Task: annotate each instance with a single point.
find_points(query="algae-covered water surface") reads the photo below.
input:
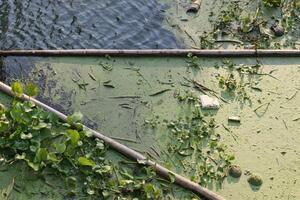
(152, 105)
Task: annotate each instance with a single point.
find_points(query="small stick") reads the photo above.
(190, 37)
(292, 96)
(285, 124)
(123, 139)
(159, 92)
(153, 149)
(92, 76)
(230, 132)
(137, 70)
(125, 97)
(262, 106)
(296, 119)
(230, 41)
(266, 74)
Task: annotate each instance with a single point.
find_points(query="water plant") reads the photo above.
(197, 146)
(193, 61)
(248, 24)
(255, 180)
(235, 171)
(272, 3)
(40, 140)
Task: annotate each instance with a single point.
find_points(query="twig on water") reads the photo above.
(125, 97)
(159, 92)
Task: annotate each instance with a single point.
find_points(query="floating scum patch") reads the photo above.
(154, 108)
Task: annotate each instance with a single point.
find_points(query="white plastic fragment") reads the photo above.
(234, 119)
(208, 102)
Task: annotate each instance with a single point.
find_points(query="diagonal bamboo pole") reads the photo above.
(156, 52)
(162, 171)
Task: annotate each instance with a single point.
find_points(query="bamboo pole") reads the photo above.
(156, 52)
(162, 171)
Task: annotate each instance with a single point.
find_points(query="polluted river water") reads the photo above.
(265, 141)
(136, 100)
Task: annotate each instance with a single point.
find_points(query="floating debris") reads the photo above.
(92, 76)
(255, 180)
(235, 171)
(125, 97)
(159, 92)
(236, 119)
(108, 85)
(194, 7)
(277, 30)
(208, 102)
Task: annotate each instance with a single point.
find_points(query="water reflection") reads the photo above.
(51, 24)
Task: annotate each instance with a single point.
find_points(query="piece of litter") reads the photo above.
(234, 119)
(208, 102)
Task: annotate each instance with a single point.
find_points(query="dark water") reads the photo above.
(52, 24)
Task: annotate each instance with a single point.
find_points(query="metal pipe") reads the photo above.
(156, 52)
(134, 155)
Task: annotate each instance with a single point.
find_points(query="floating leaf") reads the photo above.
(26, 136)
(41, 155)
(88, 133)
(34, 166)
(17, 89)
(76, 117)
(106, 194)
(40, 125)
(86, 162)
(142, 162)
(53, 157)
(100, 144)
(74, 136)
(172, 177)
(31, 89)
(20, 157)
(90, 191)
(60, 147)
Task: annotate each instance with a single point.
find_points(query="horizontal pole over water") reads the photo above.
(156, 52)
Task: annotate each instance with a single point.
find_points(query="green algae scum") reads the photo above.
(230, 125)
(153, 106)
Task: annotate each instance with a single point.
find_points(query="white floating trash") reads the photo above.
(208, 102)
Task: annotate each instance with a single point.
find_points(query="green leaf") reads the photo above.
(41, 155)
(106, 194)
(149, 188)
(26, 136)
(20, 157)
(4, 125)
(172, 177)
(76, 117)
(40, 125)
(86, 162)
(52, 157)
(74, 136)
(106, 169)
(31, 89)
(60, 148)
(88, 133)
(99, 144)
(17, 89)
(34, 166)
